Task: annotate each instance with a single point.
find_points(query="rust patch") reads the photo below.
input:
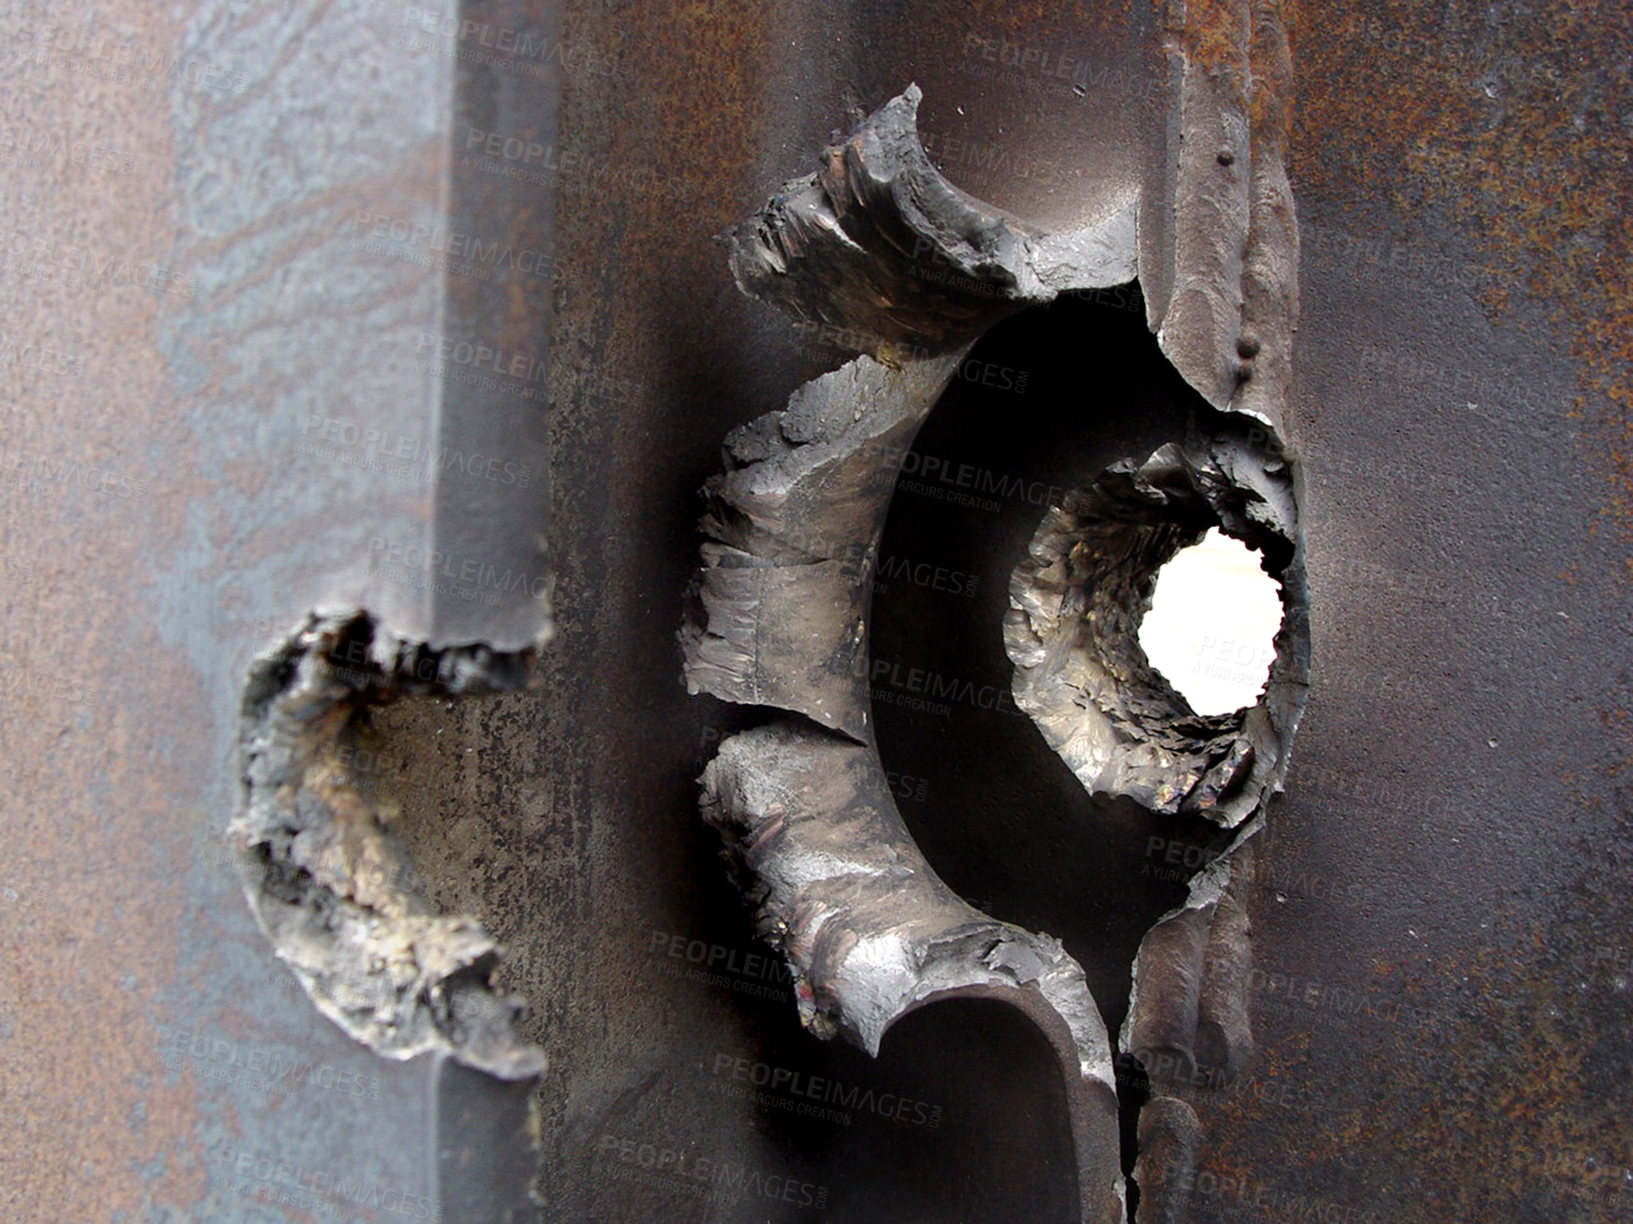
(1511, 126)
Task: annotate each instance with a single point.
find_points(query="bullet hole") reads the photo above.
(1078, 600)
(1212, 624)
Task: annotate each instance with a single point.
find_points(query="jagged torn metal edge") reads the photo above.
(1219, 266)
(880, 245)
(1187, 1022)
(880, 250)
(871, 933)
(328, 882)
(1072, 632)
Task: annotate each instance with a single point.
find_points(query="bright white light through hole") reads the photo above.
(1212, 625)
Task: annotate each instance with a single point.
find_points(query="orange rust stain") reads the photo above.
(1511, 127)
(1215, 35)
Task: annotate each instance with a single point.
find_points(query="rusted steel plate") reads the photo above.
(210, 308)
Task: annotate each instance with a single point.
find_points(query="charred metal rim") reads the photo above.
(1076, 603)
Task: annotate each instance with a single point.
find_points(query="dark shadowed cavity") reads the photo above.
(1045, 402)
(967, 1120)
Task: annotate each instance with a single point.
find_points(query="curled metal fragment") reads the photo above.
(871, 933)
(880, 246)
(779, 615)
(1224, 1029)
(328, 882)
(877, 240)
(1188, 1022)
(1161, 1029)
(1076, 602)
(909, 269)
(1169, 1135)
